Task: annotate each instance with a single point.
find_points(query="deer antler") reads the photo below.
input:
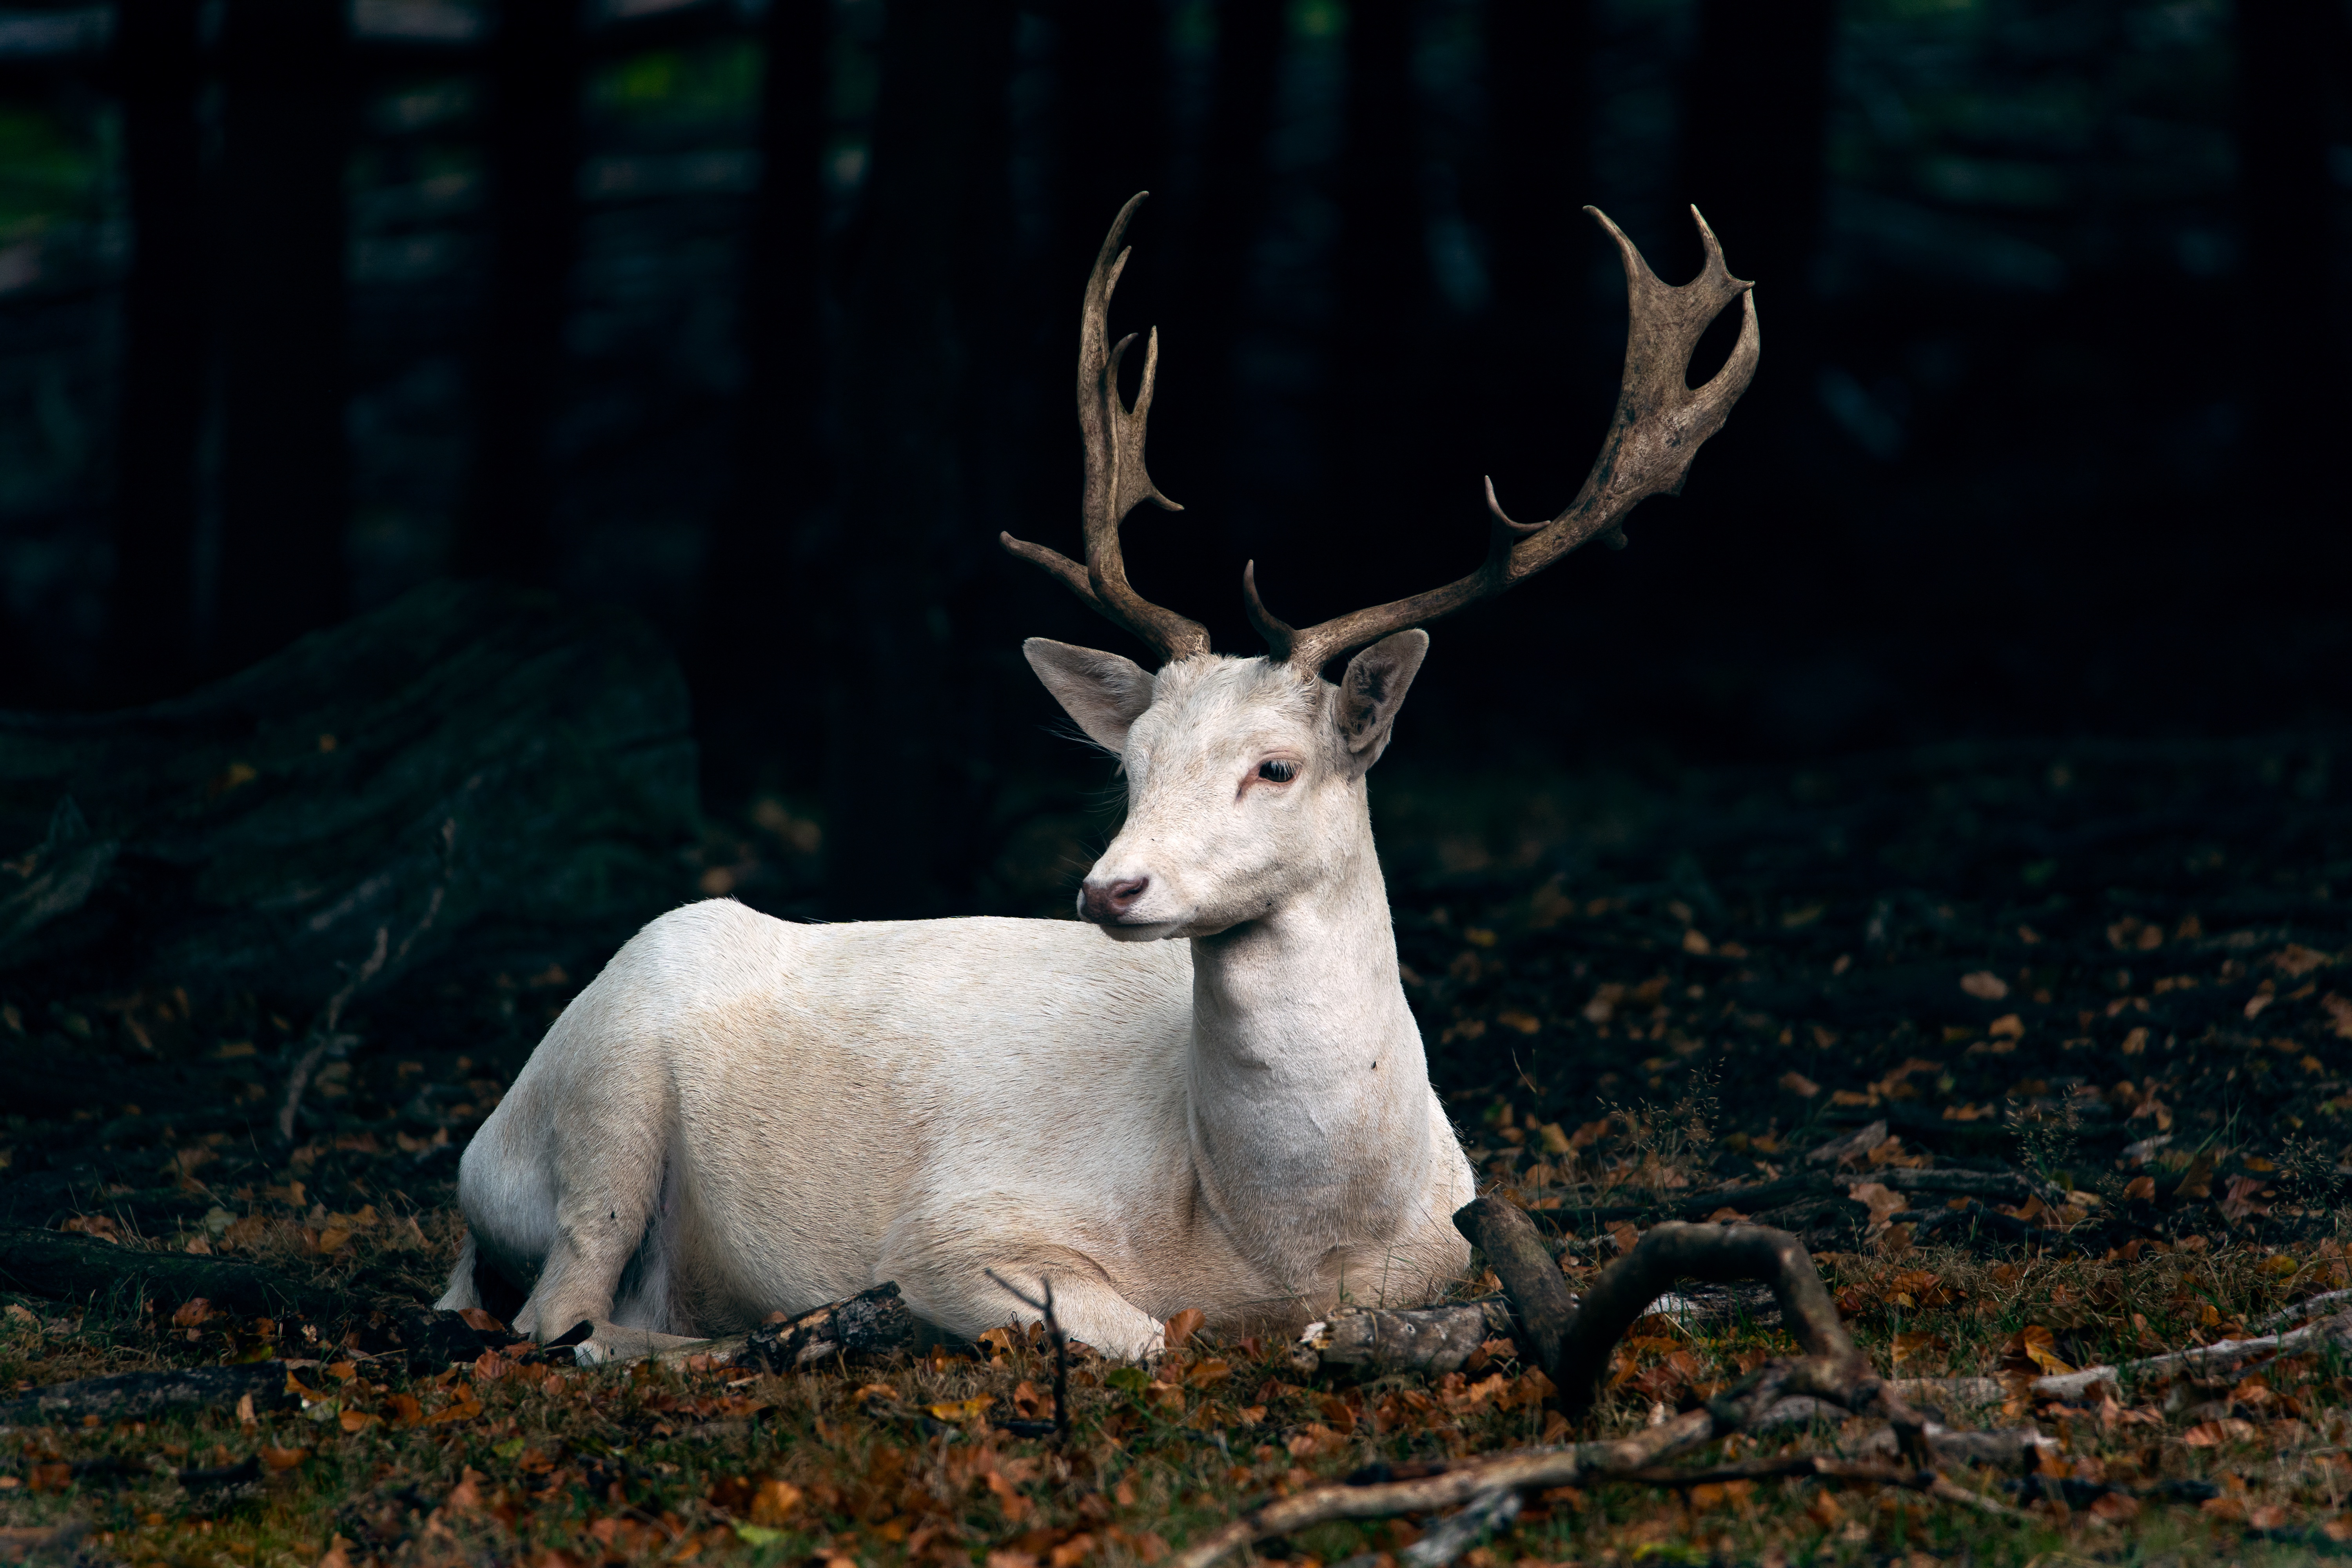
(1659, 424)
(1116, 479)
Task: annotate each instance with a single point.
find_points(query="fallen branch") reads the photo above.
(1452, 1536)
(871, 1323)
(2221, 1353)
(1571, 1341)
(1430, 1340)
(1534, 1469)
(1060, 1425)
(2305, 1308)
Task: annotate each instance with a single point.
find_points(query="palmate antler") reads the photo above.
(1660, 422)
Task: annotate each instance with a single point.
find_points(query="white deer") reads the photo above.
(740, 1115)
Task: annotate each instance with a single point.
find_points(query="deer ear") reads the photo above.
(1372, 690)
(1103, 692)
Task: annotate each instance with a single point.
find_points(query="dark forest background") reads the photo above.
(760, 320)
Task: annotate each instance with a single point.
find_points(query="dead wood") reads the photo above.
(1580, 1464)
(130, 1395)
(1059, 1427)
(2336, 1330)
(1581, 1336)
(1543, 1311)
(60, 1266)
(871, 1323)
(1429, 1340)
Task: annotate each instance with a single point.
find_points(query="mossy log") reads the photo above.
(475, 771)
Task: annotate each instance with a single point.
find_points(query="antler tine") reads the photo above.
(1117, 482)
(1660, 422)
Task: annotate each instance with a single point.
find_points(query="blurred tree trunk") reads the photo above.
(284, 490)
(902, 767)
(762, 580)
(1539, 68)
(505, 530)
(2293, 345)
(1385, 390)
(1113, 79)
(1203, 371)
(1755, 133)
(153, 642)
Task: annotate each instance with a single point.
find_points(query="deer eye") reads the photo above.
(1277, 771)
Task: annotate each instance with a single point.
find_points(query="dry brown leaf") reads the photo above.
(2240, 1201)
(970, 1409)
(1182, 1326)
(2214, 1434)
(775, 1503)
(1883, 1204)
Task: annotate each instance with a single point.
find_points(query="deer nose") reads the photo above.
(1101, 902)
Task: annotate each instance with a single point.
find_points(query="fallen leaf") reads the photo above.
(481, 1322)
(284, 1458)
(775, 1503)
(356, 1420)
(2296, 961)
(970, 1409)
(1797, 1084)
(2239, 1200)
(2339, 1013)
(2141, 1188)
(2041, 1355)
(1883, 1204)
(2116, 1507)
(2197, 1181)
(1182, 1326)
(1984, 986)
(193, 1310)
(2214, 1434)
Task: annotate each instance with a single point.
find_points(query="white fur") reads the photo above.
(741, 1115)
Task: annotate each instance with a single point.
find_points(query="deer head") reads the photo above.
(1245, 776)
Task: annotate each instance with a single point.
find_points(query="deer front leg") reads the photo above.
(943, 1272)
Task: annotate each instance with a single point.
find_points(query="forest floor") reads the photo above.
(2117, 972)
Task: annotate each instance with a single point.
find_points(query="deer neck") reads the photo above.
(1309, 1094)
